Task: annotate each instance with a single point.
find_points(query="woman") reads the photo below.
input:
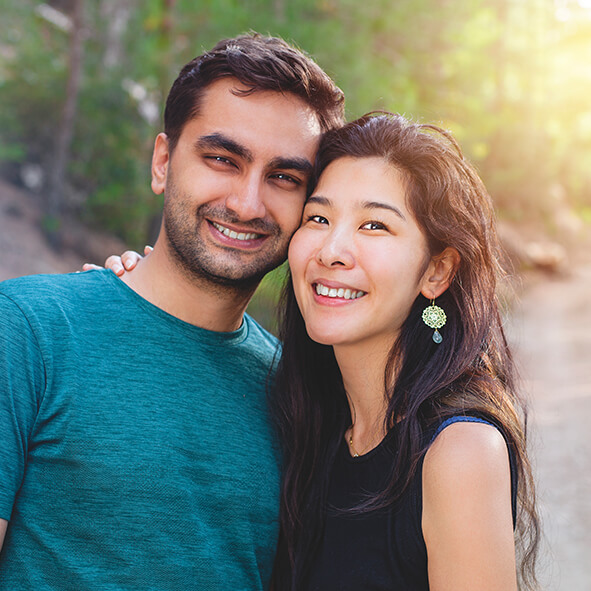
(405, 452)
(403, 433)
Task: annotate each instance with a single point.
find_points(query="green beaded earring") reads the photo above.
(434, 317)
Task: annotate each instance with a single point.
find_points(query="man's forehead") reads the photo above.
(275, 124)
(231, 94)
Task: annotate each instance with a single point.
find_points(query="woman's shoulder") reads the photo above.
(467, 504)
(466, 471)
(464, 445)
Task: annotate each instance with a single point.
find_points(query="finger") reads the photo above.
(148, 249)
(114, 263)
(129, 259)
(91, 267)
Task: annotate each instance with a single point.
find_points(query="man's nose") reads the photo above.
(246, 198)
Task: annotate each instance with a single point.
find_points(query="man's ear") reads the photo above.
(440, 272)
(160, 160)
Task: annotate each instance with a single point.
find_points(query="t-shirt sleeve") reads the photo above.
(22, 379)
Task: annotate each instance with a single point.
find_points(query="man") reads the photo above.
(135, 446)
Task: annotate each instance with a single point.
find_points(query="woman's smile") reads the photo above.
(332, 291)
(359, 257)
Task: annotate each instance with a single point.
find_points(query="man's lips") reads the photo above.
(228, 232)
(236, 237)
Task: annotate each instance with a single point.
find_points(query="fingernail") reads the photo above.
(118, 270)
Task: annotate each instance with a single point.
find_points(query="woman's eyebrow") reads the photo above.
(318, 199)
(382, 205)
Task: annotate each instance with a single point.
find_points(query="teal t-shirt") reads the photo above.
(136, 451)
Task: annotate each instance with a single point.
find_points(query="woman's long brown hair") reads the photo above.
(471, 372)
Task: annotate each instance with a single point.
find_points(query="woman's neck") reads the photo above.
(363, 371)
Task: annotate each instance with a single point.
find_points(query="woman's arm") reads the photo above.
(467, 517)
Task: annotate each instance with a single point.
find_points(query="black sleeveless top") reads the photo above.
(380, 550)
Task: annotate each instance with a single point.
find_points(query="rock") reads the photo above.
(546, 256)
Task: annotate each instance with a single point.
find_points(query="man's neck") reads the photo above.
(158, 279)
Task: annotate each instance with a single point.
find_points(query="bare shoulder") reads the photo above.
(467, 519)
(467, 448)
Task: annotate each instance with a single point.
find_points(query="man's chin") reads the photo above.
(224, 267)
(235, 277)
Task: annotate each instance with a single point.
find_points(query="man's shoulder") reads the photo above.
(261, 335)
(51, 282)
(37, 291)
(263, 347)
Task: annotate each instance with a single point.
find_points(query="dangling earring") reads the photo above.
(434, 317)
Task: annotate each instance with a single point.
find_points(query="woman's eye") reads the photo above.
(373, 226)
(318, 219)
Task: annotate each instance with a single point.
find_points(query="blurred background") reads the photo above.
(82, 85)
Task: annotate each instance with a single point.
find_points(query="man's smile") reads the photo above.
(236, 235)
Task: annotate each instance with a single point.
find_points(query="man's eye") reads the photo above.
(220, 160)
(281, 176)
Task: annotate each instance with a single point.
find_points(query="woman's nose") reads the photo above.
(336, 250)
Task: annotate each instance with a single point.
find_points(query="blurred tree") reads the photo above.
(115, 16)
(65, 128)
(509, 77)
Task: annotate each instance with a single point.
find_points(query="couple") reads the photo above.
(138, 449)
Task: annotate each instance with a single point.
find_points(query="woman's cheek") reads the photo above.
(296, 251)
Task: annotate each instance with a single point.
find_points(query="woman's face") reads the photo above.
(359, 259)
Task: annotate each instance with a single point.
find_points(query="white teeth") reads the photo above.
(235, 235)
(332, 292)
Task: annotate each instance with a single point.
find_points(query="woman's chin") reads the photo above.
(325, 337)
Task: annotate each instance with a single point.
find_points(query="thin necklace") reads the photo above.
(355, 453)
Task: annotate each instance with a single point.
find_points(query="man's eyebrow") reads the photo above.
(301, 164)
(382, 205)
(218, 141)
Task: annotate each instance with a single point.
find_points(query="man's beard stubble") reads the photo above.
(227, 270)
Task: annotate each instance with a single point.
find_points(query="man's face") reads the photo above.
(235, 183)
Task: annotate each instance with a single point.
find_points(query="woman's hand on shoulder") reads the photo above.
(120, 264)
(467, 515)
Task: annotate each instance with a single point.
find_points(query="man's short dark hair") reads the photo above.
(259, 63)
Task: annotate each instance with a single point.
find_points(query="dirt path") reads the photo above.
(24, 250)
(552, 332)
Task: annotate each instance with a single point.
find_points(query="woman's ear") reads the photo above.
(160, 160)
(440, 272)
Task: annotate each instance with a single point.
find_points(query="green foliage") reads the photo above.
(263, 305)
(110, 162)
(31, 90)
(510, 78)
